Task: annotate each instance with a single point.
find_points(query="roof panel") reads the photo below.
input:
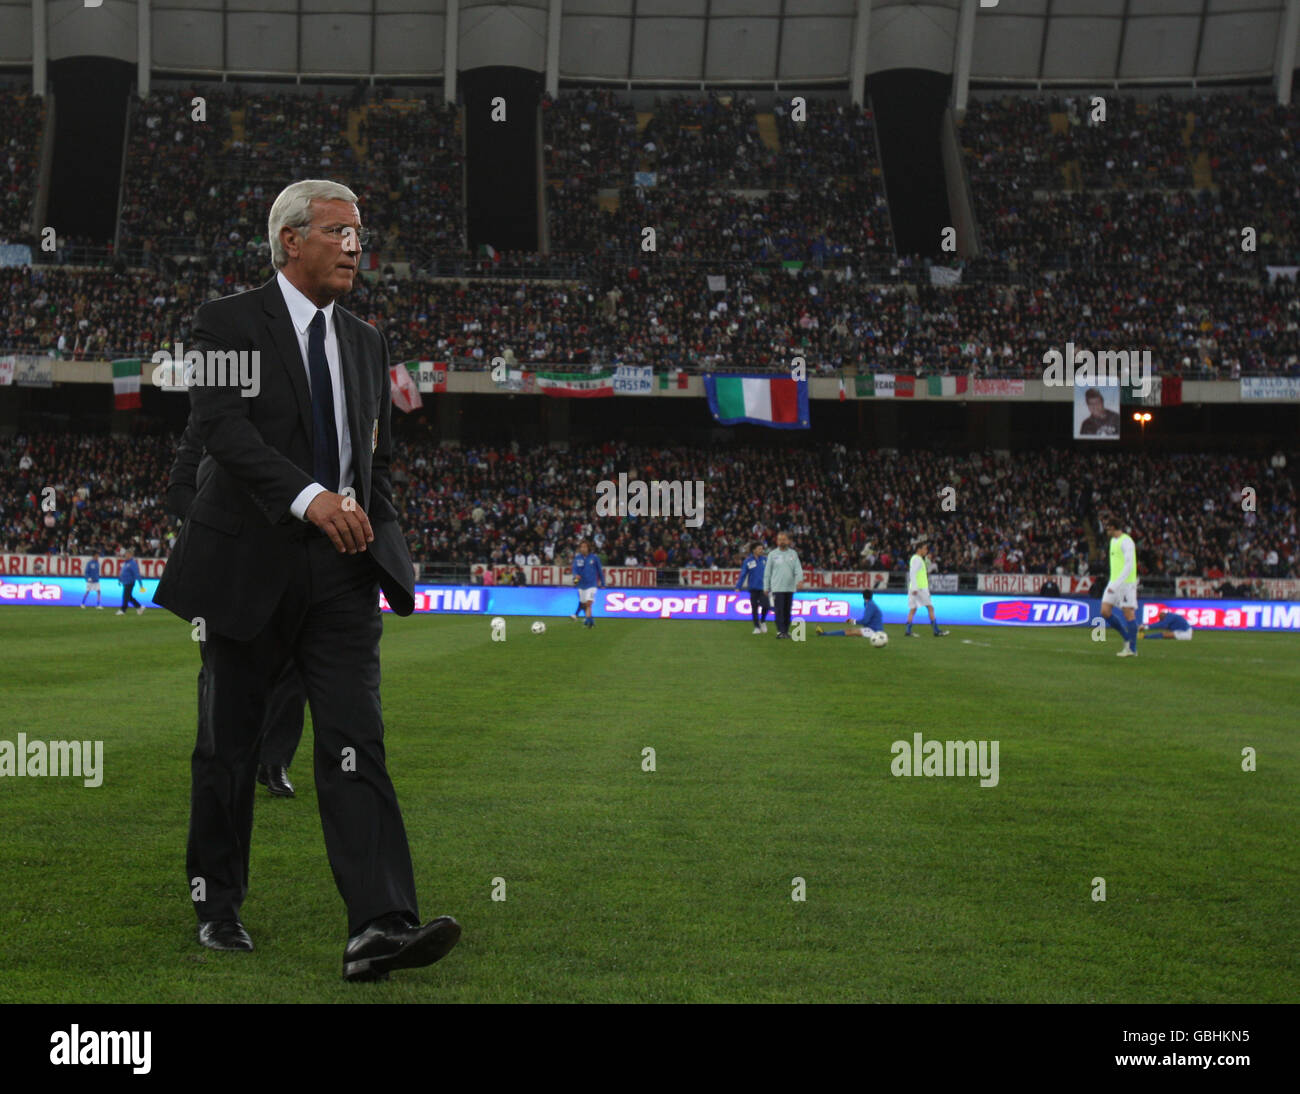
(1238, 42)
(1081, 48)
(592, 46)
(668, 49)
(738, 47)
(1087, 7)
(1007, 48)
(816, 48)
(1239, 37)
(1163, 47)
(407, 42)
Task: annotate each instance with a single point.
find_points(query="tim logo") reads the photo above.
(1035, 613)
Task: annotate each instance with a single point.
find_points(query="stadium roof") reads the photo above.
(689, 41)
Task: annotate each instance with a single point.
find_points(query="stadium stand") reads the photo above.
(22, 120)
(849, 510)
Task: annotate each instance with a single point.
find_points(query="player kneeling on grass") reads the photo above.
(1122, 589)
(1176, 625)
(872, 621)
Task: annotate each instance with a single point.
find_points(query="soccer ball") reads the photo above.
(880, 638)
(539, 627)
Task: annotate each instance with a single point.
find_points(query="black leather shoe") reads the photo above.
(261, 774)
(277, 782)
(224, 934)
(388, 944)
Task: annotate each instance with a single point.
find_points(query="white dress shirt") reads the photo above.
(301, 312)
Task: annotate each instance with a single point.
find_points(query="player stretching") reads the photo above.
(1176, 625)
(872, 620)
(587, 574)
(1122, 589)
(918, 590)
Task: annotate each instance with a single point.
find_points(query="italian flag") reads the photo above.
(430, 376)
(576, 385)
(126, 384)
(762, 400)
(941, 386)
(885, 385)
(403, 389)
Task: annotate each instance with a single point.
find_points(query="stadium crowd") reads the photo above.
(205, 187)
(846, 509)
(704, 179)
(1146, 253)
(753, 319)
(22, 121)
(1168, 183)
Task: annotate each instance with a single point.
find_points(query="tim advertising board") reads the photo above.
(1035, 612)
(686, 604)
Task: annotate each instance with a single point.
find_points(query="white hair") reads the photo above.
(292, 209)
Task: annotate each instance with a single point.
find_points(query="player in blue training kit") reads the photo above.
(751, 578)
(1176, 625)
(127, 576)
(587, 575)
(873, 620)
(92, 583)
(577, 612)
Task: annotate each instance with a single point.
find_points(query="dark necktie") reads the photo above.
(325, 439)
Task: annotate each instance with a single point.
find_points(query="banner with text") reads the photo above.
(74, 566)
(1270, 387)
(1032, 583)
(1277, 588)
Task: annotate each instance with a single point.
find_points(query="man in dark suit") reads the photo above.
(282, 730)
(284, 550)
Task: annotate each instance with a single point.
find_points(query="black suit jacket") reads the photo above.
(188, 468)
(232, 559)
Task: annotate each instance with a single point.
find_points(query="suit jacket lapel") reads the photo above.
(286, 341)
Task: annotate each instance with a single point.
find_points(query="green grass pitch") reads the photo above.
(522, 760)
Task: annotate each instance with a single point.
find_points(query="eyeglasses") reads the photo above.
(339, 233)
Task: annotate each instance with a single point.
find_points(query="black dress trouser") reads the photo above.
(328, 621)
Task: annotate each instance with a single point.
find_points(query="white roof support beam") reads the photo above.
(963, 47)
(144, 45)
(554, 14)
(1284, 65)
(451, 39)
(40, 47)
(858, 59)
